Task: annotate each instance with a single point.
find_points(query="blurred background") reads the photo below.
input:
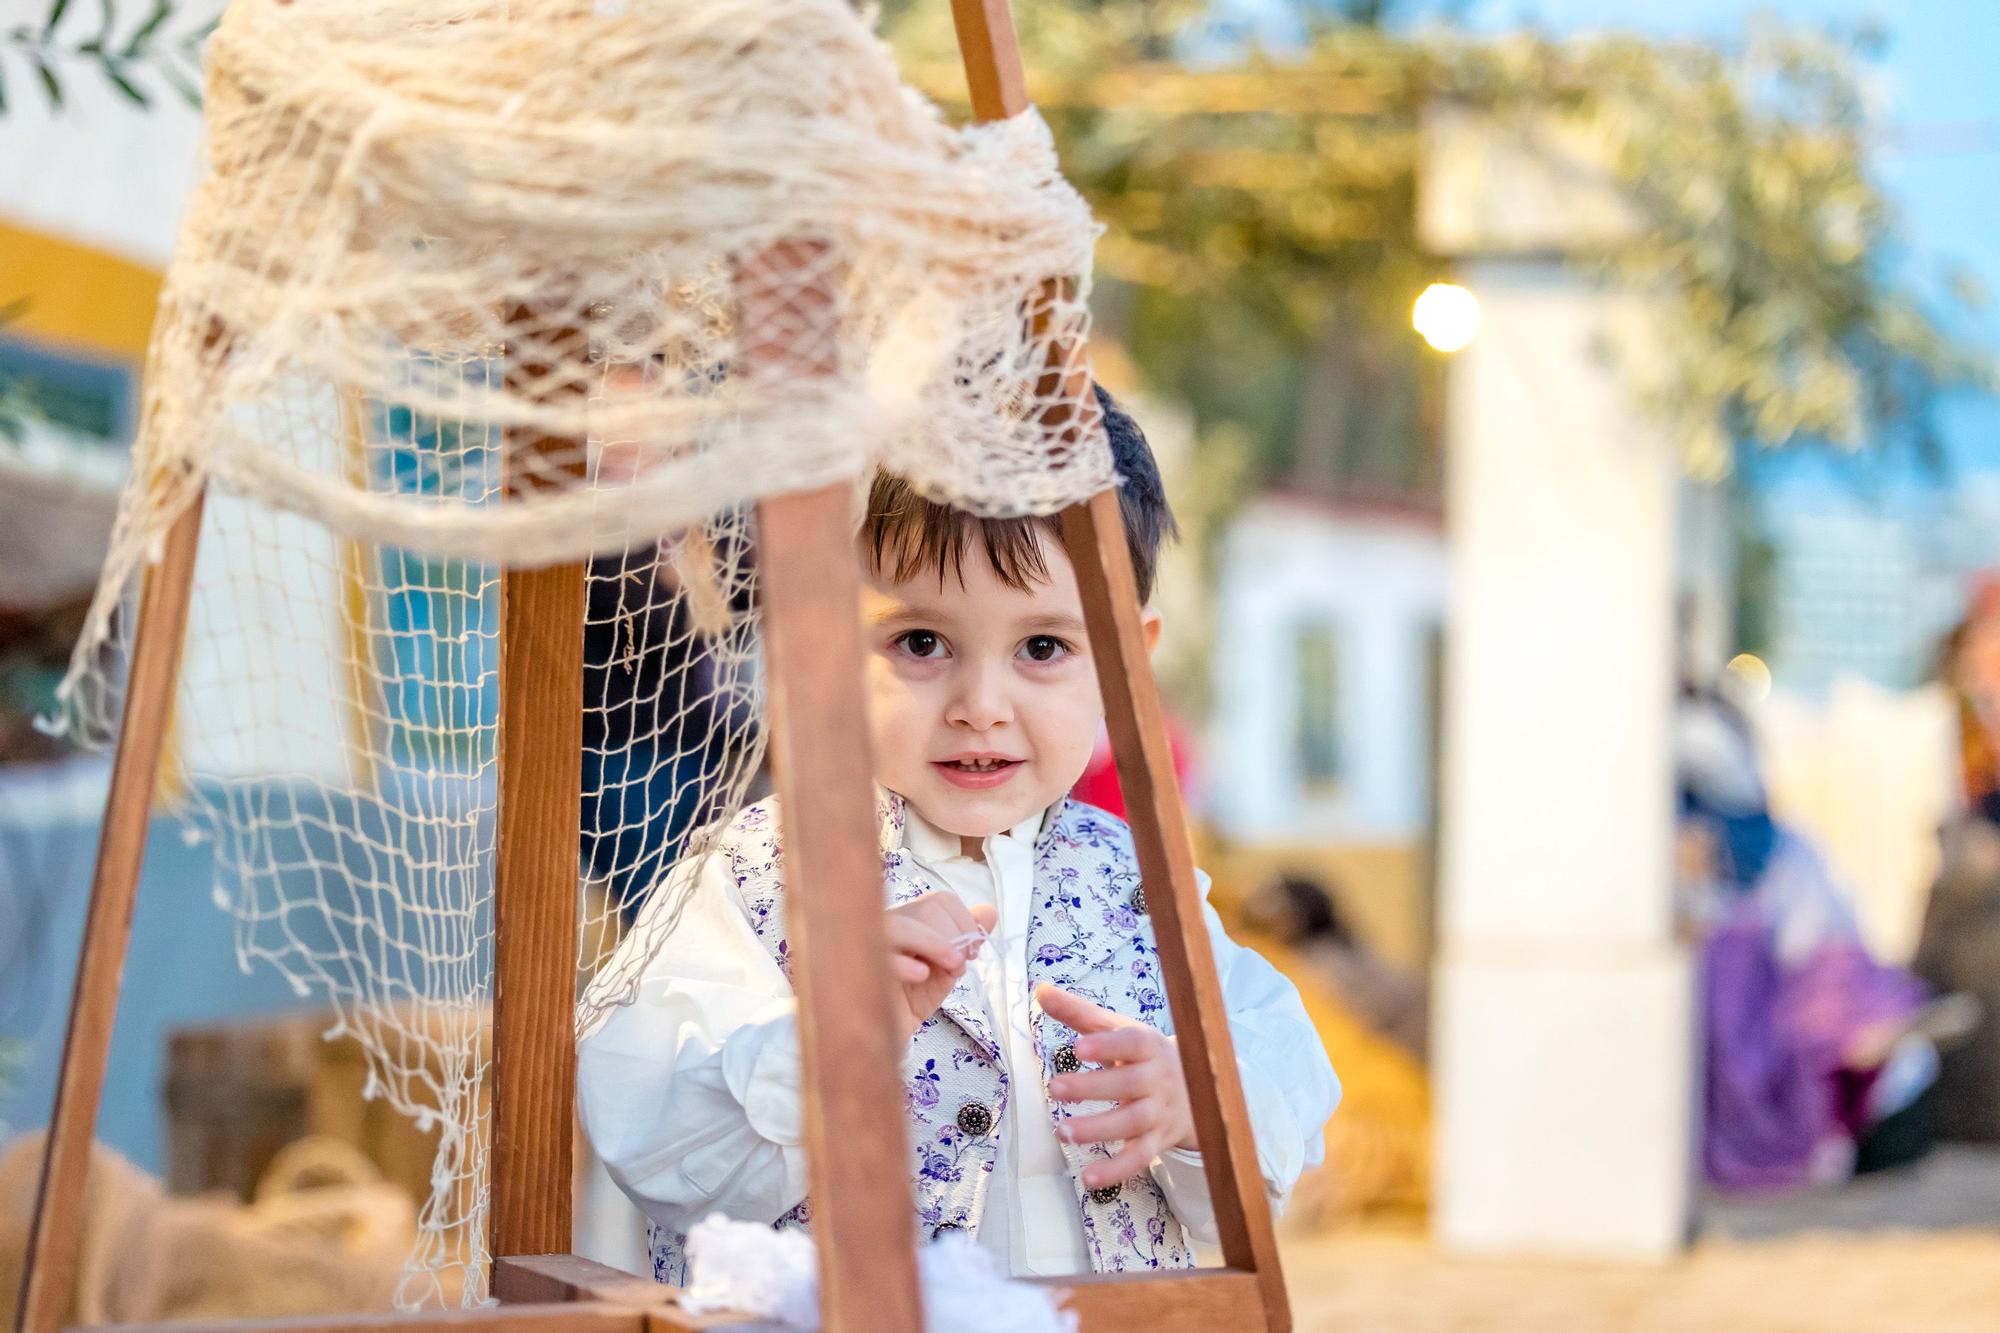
(1584, 652)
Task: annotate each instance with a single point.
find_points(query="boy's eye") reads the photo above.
(1044, 648)
(920, 643)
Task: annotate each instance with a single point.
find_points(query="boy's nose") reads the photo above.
(980, 702)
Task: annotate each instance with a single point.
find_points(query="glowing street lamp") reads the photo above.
(1447, 315)
(1752, 676)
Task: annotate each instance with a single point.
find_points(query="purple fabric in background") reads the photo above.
(1775, 1040)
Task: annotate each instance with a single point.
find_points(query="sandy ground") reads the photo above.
(1919, 1250)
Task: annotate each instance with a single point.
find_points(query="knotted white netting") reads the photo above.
(472, 286)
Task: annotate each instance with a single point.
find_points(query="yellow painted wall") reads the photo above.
(77, 297)
(83, 301)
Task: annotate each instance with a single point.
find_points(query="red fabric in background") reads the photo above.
(1099, 784)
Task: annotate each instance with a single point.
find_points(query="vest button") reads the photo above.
(975, 1120)
(1065, 1060)
(1105, 1193)
(1139, 900)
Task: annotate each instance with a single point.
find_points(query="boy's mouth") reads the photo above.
(976, 774)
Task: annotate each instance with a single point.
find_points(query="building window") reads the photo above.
(1322, 749)
(87, 399)
(437, 639)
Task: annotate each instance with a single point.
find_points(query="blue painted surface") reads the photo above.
(183, 969)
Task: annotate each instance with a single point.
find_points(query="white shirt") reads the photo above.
(691, 1094)
(1031, 1224)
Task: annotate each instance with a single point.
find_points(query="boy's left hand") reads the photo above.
(1141, 1072)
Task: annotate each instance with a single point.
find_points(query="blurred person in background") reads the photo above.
(1969, 663)
(1960, 945)
(668, 715)
(1305, 917)
(1819, 1057)
(664, 724)
(1373, 1018)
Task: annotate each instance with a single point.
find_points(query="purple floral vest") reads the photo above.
(1087, 933)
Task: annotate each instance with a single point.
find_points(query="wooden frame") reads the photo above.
(864, 1225)
(55, 1237)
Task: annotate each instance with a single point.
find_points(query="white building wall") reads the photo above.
(264, 636)
(1565, 1023)
(1378, 582)
(98, 171)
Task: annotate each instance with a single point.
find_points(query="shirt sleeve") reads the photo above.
(691, 1093)
(1288, 1082)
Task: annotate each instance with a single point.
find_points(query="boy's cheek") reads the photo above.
(899, 728)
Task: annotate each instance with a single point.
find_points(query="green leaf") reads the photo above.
(191, 43)
(49, 84)
(181, 83)
(55, 16)
(123, 84)
(162, 11)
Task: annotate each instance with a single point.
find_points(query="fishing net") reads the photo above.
(470, 287)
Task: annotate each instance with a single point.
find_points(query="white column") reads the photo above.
(1564, 1044)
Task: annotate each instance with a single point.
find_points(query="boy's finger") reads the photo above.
(919, 941)
(910, 971)
(1122, 1083)
(1124, 1046)
(1075, 1012)
(1125, 1122)
(945, 911)
(1130, 1160)
(986, 916)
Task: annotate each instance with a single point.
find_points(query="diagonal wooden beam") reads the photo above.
(55, 1237)
(1094, 536)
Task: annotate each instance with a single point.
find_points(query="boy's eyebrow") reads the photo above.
(1054, 622)
(888, 615)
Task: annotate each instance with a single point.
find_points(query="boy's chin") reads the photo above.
(967, 815)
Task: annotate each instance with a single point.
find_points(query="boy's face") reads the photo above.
(983, 702)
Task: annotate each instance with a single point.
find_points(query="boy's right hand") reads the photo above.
(924, 952)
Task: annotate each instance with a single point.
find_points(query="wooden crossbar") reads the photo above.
(549, 1318)
(537, 1279)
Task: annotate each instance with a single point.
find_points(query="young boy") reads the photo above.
(1047, 1110)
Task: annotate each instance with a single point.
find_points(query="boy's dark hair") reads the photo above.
(906, 535)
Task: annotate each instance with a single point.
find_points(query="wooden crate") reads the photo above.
(238, 1092)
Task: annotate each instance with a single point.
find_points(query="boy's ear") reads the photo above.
(1149, 620)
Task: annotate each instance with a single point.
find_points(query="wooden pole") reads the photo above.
(809, 579)
(857, 1147)
(1094, 535)
(55, 1237)
(536, 873)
